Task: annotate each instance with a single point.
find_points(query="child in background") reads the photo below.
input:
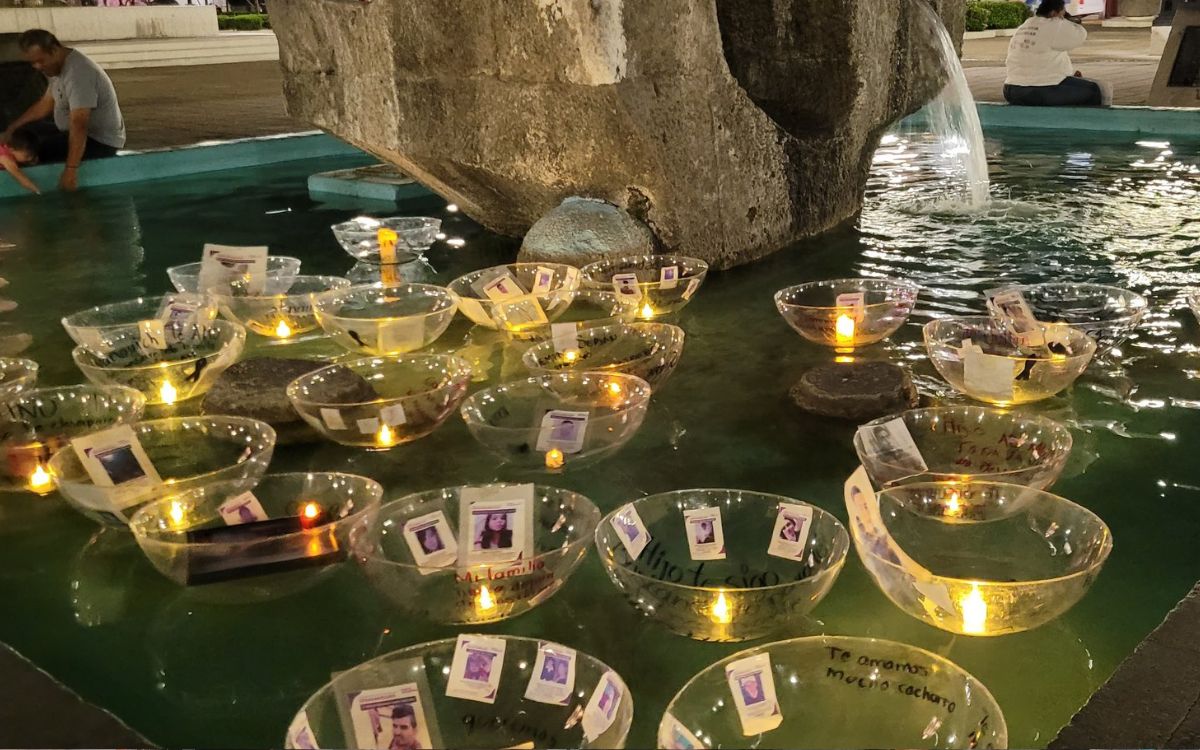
(21, 149)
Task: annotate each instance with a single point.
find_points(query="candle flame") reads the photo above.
(176, 514)
(974, 611)
(721, 614)
(554, 459)
(953, 508)
(614, 388)
(283, 330)
(167, 393)
(485, 602)
(39, 480)
(310, 510)
(385, 436)
(647, 311)
(844, 330)
(571, 356)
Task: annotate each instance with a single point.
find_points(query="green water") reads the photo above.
(86, 607)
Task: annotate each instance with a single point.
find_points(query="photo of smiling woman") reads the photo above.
(495, 533)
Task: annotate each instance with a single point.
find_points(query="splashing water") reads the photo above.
(953, 121)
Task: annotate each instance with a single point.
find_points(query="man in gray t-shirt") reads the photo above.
(81, 97)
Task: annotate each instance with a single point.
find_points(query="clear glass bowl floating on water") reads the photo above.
(972, 443)
(589, 308)
(281, 272)
(750, 593)
(510, 721)
(187, 453)
(459, 591)
(1108, 314)
(529, 308)
(556, 421)
(983, 558)
(319, 516)
(194, 357)
(89, 328)
(812, 310)
(277, 316)
(664, 284)
(649, 350)
(414, 234)
(842, 692)
(378, 319)
(35, 424)
(994, 370)
(381, 402)
(16, 375)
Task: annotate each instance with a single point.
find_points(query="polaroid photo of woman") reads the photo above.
(476, 668)
(753, 689)
(790, 535)
(553, 676)
(431, 541)
(705, 537)
(495, 523)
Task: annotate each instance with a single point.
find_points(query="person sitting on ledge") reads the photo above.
(1040, 73)
(87, 120)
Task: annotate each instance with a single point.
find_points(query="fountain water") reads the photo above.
(952, 120)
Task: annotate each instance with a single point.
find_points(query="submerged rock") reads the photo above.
(257, 388)
(857, 391)
(581, 230)
(731, 128)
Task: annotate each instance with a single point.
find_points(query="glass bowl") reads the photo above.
(380, 319)
(418, 271)
(982, 558)
(312, 521)
(589, 308)
(837, 691)
(35, 424)
(812, 310)
(194, 357)
(1108, 314)
(419, 676)
(648, 350)
(525, 309)
(560, 420)
(994, 370)
(90, 327)
(16, 375)
(458, 591)
(277, 316)
(972, 442)
(414, 234)
(415, 395)
(748, 594)
(187, 452)
(281, 272)
(658, 291)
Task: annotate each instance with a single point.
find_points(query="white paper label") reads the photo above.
(114, 458)
(893, 449)
(988, 375)
(380, 713)
(752, 687)
(565, 337)
(691, 288)
(668, 277)
(543, 280)
(601, 709)
(673, 735)
(564, 430)
(790, 535)
(503, 287)
(630, 530)
(1010, 310)
(368, 426)
(705, 537)
(855, 302)
(300, 734)
(393, 415)
(552, 679)
(243, 508)
(626, 286)
(496, 523)
(431, 541)
(222, 264)
(399, 336)
(333, 419)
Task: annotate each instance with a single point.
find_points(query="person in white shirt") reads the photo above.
(1039, 69)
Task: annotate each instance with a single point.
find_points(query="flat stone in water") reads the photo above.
(257, 388)
(856, 390)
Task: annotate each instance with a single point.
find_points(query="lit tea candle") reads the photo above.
(310, 514)
(385, 437)
(721, 613)
(176, 514)
(953, 508)
(283, 330)
(974, 611)
(570, 356)
(40, 480)
(843, 330)
(554, 459)
(484, 603)
(167, 393)
(647, 312)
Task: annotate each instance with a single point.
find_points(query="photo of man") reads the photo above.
(399, 732)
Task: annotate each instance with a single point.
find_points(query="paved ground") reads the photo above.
(1119, 56)
(178, 106)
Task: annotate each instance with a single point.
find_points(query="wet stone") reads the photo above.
(257, 388)
(855, 391)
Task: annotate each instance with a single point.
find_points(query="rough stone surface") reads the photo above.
(580, 230)
(256, 388)
(730, 127)
(857, 390)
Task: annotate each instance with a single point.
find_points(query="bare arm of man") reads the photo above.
(39, 110)
(76, 143)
